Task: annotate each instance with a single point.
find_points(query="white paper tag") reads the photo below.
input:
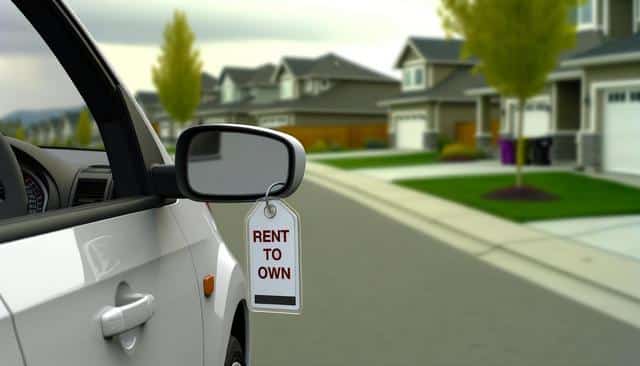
(273, 239)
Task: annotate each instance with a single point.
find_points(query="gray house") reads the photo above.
(241, 90)
(327, 98)
(432, 102)
(609, 129)
(327, 90)
(574, 110)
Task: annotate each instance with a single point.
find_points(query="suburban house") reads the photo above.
(327, 99)
(432, 104)
(591, 98)
(241, 90)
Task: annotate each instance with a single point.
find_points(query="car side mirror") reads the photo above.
(237, 163)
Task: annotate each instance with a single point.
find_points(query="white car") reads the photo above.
(106, 258)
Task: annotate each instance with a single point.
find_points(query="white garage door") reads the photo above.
(621, 141)
(409, 132)
(537, 118)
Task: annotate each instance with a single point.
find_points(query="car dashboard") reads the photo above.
(59, 178)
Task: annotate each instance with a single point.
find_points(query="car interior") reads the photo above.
(56, 178)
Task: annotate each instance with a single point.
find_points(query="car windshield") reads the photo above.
(472, 191)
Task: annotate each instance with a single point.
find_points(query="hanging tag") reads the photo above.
(273, 236)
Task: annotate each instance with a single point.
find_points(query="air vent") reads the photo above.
(89, 190)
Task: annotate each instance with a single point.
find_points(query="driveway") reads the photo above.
(452, 169)
(377, 292)
(618, 234)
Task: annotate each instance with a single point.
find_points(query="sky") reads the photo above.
(231, 32)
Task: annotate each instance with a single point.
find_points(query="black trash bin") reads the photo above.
(541, 151)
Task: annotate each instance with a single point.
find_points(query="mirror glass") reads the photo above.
(234, 163)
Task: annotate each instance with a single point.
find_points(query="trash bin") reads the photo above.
(507, 151)
(541, 151)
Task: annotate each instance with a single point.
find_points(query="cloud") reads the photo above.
(140, 22)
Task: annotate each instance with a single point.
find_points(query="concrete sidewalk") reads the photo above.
(600, 279)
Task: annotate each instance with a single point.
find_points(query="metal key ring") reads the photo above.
(269, 209)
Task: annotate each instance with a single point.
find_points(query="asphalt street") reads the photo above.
(378, 293)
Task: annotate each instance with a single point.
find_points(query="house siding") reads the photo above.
(451, 113)
(620, 18)
(441, 117)
(310, 119)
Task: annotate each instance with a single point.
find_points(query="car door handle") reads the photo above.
(119, 319)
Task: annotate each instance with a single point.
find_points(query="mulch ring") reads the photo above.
(524, 193)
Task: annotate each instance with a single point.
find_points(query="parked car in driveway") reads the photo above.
(106, 258)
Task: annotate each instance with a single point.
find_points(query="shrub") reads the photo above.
(443, 140)
(375, 144)
(460, 152)
(323, 145)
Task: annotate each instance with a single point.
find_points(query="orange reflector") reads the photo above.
(208, 284)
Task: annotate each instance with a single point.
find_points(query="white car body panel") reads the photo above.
(57, 284)
(9, 349)
(211, 256)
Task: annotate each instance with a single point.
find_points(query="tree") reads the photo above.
(178, 72)
(517, 44)
(82, 135)
(20, 133)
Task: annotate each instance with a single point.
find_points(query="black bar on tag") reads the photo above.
(275, 300)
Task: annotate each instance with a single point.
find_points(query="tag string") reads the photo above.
(269, 209)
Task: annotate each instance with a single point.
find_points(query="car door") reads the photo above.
(109, 283)
(60, 285)
(9, 351)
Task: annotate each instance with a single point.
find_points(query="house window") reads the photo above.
(617, 97)
(286, 88)
(634, 96)
(407, 77)
(308, 86)
(584, 14)
(418, 76)
(413, 78)
(227, 91)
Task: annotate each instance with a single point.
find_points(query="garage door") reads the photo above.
(409, 133)
(537, 118)
(621, 127)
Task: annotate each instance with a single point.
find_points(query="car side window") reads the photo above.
(38, 102)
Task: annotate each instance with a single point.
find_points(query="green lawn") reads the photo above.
(579, 195)
(382, 160)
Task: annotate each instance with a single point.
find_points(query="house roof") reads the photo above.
(435, 50)
(611, 51)
(245, 76)
(262, 75)
(350, 98)
(450, 89)
(330, 66)
(146, 97)
(208, 81)
(585, 42)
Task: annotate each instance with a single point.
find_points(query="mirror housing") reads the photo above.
(234, 163)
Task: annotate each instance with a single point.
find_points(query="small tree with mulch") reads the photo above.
(517, 44)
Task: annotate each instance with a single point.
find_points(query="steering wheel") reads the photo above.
(14, 202)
